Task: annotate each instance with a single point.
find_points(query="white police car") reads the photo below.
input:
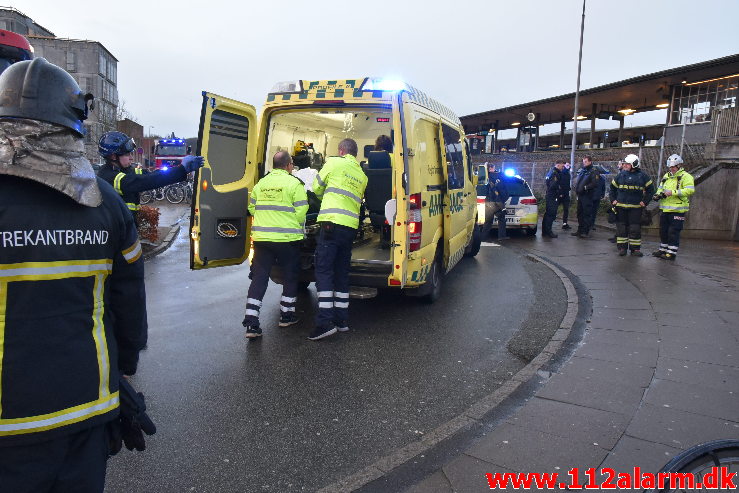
(522, 211)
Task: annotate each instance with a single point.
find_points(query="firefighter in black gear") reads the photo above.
(116, 148)
(72, 299)
(631, 191)
(558, 186)
(586, 184)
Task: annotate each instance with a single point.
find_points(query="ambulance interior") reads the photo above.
(313, 136)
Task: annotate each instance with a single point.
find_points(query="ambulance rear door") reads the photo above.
(227, 138)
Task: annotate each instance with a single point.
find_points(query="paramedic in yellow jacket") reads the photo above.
(673, 194)
(278, 205)
(340, 184)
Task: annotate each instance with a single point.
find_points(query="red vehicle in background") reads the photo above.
(169, 152)
(13, 48)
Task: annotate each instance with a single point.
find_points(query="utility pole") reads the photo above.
(577, 96)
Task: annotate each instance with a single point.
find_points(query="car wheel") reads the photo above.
(432, 287)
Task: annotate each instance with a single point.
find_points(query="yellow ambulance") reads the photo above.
(419, 208)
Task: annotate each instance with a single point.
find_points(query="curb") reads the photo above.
(475, 412)
(168, 240)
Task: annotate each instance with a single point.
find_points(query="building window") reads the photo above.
(693, 103)
(71, 61)
(102, 67)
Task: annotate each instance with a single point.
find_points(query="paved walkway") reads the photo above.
(656, 372)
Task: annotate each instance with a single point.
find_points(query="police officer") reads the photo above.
(673, 194)
(497, 195)
(116, 148)
(599, 194)
(72, 297)
(340, 184)
(565, 200)
(631, 191)
(586, 184)
(557, 187)
(278, 205)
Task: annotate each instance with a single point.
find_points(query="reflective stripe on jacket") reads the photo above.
(340, 184)
(629, 188)
(682, 186)
(72, 310)
(278, 204)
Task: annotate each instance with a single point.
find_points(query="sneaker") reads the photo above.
(288, 320)
(637, 253)
(566, 226)
(253, 331)
(657, 253)
(320, 333)
(621, 252)
(343, 328)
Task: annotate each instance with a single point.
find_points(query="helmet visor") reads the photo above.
(127, 147)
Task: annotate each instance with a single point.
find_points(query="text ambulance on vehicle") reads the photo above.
(420, 201)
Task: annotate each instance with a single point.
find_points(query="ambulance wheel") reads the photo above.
(432, 287)
(473, 248)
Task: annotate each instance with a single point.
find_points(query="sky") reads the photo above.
(471, 56)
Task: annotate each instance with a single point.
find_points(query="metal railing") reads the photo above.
(724, 123)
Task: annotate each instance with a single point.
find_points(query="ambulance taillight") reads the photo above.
(415, 223)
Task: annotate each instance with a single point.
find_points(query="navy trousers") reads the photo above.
(628, 227)
(584, 213)
(565, 201)
(73, 462)
(333, 260)
(670, 226)
(550, 213)
(266, 254)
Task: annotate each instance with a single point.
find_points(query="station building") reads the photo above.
(701, 123)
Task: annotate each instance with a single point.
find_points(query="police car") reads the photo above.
(521, 207)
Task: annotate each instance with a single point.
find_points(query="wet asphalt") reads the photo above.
(286, 414)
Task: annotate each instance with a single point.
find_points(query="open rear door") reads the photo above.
(219, 230)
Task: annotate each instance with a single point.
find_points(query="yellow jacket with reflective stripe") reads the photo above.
(340, 184)
(278, 204)
(72, 310)
(682, 186)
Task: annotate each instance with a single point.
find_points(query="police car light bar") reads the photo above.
(510, 172)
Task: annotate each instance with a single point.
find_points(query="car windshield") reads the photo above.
(517, 188)
(170, 150)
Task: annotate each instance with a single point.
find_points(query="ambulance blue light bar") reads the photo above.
(380, 84)
(510, 172)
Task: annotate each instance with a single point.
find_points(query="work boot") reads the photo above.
(584, 235)
(669, 256)
(621, 252)
(637, 253)
(575, 233)
(657, 253)
(566, 226)
(551, 234)
(288, 319)
(253, 331)
(320, 333)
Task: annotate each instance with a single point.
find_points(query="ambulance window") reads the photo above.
(227, 146)
(454, 157)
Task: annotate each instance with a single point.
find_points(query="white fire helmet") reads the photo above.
(632, 159)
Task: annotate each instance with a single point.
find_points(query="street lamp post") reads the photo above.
(577, 95)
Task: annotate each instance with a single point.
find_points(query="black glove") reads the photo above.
(133, 422)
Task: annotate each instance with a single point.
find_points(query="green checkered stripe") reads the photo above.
(319, 89)
(421, 98)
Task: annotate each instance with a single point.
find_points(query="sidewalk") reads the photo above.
(172, 217)
(656, 372)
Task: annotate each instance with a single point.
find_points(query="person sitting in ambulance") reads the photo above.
(380, 157)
